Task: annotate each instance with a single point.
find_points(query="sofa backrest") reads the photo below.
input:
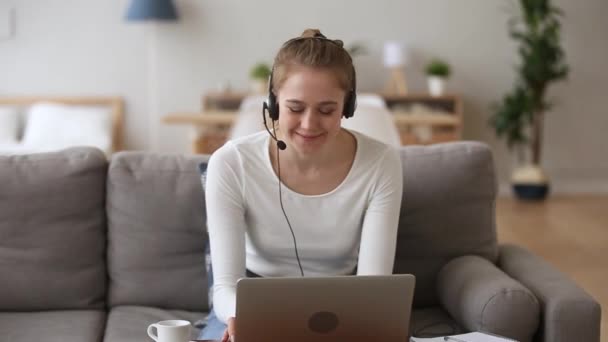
(52, 231)
(53, 225)
(156, 231)
(447, 210)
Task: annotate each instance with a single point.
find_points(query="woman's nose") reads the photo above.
(309, 120)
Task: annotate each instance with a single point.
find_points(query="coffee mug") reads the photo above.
(170, 331)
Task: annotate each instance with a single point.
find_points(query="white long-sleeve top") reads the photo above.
(354, 225)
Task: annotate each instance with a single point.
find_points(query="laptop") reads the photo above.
(336, 309)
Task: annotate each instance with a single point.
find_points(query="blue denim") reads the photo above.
(214, 328)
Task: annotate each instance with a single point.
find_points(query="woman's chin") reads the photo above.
(309, 144)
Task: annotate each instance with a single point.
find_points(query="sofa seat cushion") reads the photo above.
(130, 323)
(52, 326)
(433, 322)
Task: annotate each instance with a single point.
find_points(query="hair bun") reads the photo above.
(311, 33)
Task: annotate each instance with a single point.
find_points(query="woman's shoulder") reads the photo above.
(373, 149)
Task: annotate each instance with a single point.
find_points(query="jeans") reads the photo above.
(214, 328)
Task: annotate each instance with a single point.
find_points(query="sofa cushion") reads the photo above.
(484, 298)
(52, 230)
(52, 326)
(52, 126)
(130, 323)
(447, 211)
(156, 231)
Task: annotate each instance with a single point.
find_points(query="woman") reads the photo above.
(321, 201)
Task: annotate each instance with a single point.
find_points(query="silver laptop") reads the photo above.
(336, 309)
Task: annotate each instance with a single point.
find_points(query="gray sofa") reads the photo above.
(92, 250)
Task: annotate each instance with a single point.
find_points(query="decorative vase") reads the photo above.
(530, 183)
(436, 85)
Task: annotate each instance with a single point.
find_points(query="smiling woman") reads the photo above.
(311, 102)
(339, 191)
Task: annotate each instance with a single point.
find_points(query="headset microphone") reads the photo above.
(280, 143)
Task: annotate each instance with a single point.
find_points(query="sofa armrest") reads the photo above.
(481, 297)
(569, 313)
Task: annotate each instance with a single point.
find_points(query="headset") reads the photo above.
(272, 106)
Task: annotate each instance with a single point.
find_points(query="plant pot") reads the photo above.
(258, 86)
(436, 85)
(530, 183)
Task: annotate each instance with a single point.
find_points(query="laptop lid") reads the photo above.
(340, 308)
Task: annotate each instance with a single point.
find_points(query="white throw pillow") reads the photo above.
(55, 126)
(9, 125)
(370, 100)
(376, 122)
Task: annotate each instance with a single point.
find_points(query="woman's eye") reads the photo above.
(295, 110)
(327, 111)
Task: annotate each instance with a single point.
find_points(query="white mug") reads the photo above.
(170, 331)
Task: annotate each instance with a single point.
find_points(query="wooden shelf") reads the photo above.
(204, 118)
(420, 118)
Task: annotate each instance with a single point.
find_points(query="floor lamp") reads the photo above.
(395, 60)
(152, 12)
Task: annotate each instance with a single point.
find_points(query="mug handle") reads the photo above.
(150, 329)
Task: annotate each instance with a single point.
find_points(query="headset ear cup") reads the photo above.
(350, 105)
(273, 106)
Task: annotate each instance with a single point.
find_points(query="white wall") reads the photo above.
(84, 47)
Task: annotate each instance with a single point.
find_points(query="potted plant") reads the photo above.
(259, 75)
(437, 72)
(519, 117)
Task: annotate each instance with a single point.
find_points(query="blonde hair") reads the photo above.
(312, 49)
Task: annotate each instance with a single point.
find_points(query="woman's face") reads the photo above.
(311, 102)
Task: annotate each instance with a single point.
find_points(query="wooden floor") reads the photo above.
(571, 232)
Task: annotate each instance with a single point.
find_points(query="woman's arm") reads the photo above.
(226, 226)
(380, 224)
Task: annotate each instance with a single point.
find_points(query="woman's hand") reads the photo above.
(229, 332)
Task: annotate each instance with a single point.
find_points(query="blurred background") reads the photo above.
(76, 48)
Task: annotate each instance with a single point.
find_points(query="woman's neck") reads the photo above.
(330, 154)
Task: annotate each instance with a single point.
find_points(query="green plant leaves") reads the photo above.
(438, 67)
(542, 61)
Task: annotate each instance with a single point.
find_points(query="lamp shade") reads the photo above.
(394, 55)
(151, 10)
